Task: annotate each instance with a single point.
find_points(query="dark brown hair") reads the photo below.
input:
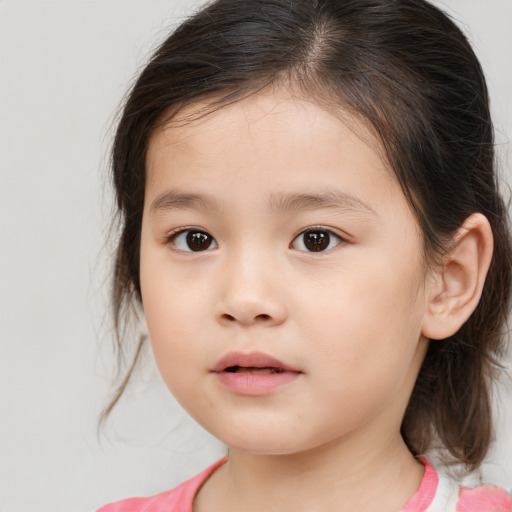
(406, 70)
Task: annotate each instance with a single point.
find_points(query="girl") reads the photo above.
(312, 227)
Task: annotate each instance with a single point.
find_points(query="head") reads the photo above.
(364, 61)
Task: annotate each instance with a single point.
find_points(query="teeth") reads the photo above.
(250, 369)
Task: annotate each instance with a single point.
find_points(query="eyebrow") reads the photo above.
(331, 199)
(173, 200)
(278, 203)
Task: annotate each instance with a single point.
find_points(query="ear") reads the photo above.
(456, 286)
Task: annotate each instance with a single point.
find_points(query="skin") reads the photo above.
(350, 318)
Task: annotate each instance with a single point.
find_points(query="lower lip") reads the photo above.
(255, 384)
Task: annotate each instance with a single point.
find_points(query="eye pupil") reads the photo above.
(198, 241)
(316, 241)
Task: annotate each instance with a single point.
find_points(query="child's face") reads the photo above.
(270, 228)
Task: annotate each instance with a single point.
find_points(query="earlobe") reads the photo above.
(457, 285)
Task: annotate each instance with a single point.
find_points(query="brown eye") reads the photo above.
(316, 240)
(194, 241)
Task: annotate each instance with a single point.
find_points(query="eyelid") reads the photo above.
(170, 238)
(332, 232)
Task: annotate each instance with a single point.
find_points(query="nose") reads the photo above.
(250, 294)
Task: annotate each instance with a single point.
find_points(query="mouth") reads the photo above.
(252, 369)
(253, 374)
(253, 362)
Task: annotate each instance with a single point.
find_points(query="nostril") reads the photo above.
(258, 318)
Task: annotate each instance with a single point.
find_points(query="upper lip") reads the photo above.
(250, 360)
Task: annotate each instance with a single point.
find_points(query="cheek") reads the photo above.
(368, 320)
(171, 322)
(170, 296)
(169, 313)
(171, 310)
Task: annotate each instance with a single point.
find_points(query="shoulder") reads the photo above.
(179, 499)
(454, 496)
(485, 498)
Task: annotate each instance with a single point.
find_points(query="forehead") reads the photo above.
(273, 114)
(266, 146)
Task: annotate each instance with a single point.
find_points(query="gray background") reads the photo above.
(64, 66)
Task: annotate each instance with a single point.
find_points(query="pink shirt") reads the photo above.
(436, 493)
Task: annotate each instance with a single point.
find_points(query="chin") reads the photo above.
(259, 448)
(263, 442)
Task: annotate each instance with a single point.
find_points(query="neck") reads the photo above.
(327, 478)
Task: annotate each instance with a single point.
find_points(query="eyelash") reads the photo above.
(320, 229)
(172, 237)
(322, 241)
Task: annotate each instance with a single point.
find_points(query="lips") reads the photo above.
(235, 362)
(253, 374)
